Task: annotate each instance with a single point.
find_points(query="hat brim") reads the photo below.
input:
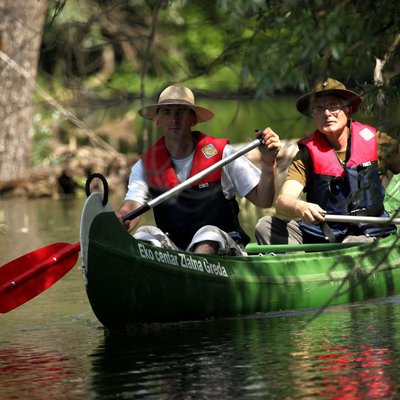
(202, 114)
(303, 103)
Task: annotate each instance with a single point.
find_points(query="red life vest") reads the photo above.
(161, 173)
(201, 204)
(364, 150)
(354, 188)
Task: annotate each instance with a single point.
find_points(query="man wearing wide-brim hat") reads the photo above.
(204, 217)
(337, 168)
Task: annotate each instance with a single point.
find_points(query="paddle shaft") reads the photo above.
(182, 186)
(350, 219)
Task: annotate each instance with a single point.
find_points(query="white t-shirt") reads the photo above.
(238, 177)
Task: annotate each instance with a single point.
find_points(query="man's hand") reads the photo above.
(126, 207)
(126, 224)
(270, 147)
(289, 204)
(310, 213)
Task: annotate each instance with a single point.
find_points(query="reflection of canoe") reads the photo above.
(129, 282)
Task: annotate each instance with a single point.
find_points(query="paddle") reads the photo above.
(170, 193)
(29, 275)
(350, 219)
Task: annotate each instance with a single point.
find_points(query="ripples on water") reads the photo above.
(345, 353)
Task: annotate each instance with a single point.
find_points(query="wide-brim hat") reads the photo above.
(328, 87)
(176, 95)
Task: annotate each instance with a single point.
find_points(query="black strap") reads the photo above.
(348, 149)
(326, 229)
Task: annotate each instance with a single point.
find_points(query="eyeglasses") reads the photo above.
(334, 109)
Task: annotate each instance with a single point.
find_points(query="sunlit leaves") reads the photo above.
(295, 42)
(267, 45)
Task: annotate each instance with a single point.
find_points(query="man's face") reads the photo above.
(175, 119)
(330, 114)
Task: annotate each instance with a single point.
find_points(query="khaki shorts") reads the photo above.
(226, 245)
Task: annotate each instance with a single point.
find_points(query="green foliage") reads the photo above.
(295, 42)
(261, 46)
(125, 79)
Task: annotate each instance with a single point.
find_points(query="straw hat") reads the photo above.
(328, 87)
(176, 95)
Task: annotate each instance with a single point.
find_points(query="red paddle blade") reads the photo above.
(29, 275)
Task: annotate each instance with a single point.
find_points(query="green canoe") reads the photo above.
(129, 282)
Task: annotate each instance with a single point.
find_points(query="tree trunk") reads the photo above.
(21, 25)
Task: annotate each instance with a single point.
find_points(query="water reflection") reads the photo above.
(206, 360)
(28, 368)
(353, 354)
(345, 353)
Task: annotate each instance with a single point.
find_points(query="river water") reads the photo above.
(53, 347)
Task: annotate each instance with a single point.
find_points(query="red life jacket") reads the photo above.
(201, 204)
(161, 173)
(364, 150)
(354, 188)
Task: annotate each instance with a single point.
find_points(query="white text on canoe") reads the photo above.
(182, 260)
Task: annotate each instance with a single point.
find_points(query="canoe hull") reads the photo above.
(129, 282)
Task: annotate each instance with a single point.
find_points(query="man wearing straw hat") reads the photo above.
(204, 217)
(337, 167)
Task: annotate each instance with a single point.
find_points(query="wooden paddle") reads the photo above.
(29, 275)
